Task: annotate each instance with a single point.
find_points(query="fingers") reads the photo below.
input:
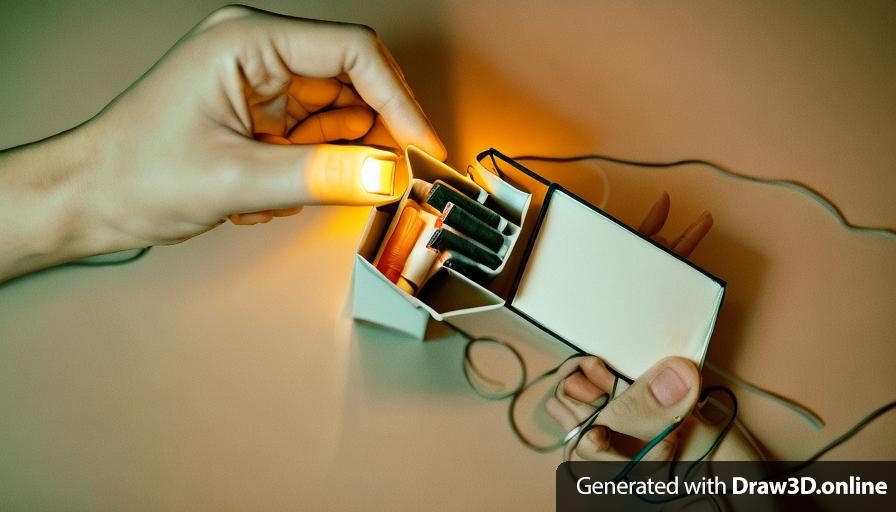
(312, 94)
(580, 388)
(378, 83)
(689, 239)
(665, 392)
(341, 124)
(379, 135)
(312, 48)
(273, 177)
(685, 244)
(662, 396)
(272, 139)
(569, 413)
(250, 219)
(267, 116)
(587, 380)
(581, 410)
(350, 117)
(573, 402)
(332, 175)
(561, 413)
(594, 444)
(275, 180)
(656, 217)
(322, 49)
(591, 382)
(287, 212)
(348, 97)
(263, 217)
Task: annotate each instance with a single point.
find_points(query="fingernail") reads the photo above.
(378, 176)
(668, 387)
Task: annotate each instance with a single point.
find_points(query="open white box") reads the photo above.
(573, 273)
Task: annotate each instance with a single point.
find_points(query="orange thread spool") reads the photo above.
(399, 246)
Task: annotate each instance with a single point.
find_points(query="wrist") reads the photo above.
(49, 187)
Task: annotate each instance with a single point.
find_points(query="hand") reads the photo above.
(668, 390)
(201, 137)
(180, 141)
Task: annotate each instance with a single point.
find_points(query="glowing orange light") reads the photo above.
(352, 175)
(378, 176)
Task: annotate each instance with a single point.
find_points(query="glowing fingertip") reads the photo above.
(378, 176)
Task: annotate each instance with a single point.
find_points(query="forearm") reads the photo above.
(47, 190)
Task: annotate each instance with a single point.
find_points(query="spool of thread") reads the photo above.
(439, 194)
(445, 240)
(399, 245)
(421, 259)
(461, 220)
(461, 264)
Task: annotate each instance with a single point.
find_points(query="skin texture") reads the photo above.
(234, 123)
(203, 135)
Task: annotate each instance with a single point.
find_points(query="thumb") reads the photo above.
(666, 391)
(283, 176)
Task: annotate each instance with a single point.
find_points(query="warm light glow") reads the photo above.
(352, 175)
(378, 176)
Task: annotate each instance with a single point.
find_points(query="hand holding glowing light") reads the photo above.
(233, 122)
(303, 84)
(320, 110)
(378, 176)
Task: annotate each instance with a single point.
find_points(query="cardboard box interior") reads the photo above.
(569, 269)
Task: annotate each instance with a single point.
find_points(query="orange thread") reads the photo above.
(399, 246)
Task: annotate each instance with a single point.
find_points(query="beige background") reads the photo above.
(224, 374)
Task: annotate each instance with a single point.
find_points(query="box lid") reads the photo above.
(603, 288)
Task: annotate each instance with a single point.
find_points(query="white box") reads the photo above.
(573, 274)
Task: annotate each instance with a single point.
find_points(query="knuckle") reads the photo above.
(366, 30)
(231, 11)
(227, 177)
(365, 35)
(626, 406)
(226, 13)
(593, 364)
(568, 387)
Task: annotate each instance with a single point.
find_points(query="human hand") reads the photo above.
(199, 138)
(667, 391)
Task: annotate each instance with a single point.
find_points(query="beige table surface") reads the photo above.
(224, 373)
